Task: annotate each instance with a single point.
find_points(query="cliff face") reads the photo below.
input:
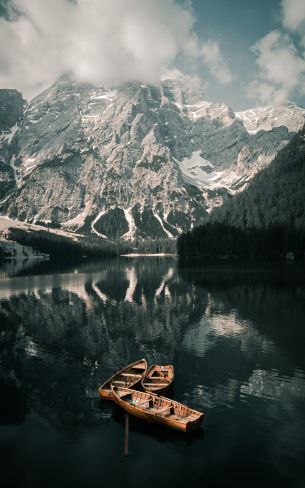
(134, 160)
(11, 108)
(276, 196)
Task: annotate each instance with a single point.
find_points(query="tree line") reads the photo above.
(218, 241)
(266, 221)
(63, 248)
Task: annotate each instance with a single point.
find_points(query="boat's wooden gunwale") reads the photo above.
(106, 393)
(185, 424)
(157, 383)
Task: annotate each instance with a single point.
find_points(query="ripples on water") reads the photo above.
(235, 337)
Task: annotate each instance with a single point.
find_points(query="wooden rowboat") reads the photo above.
(155, 408)
(126, 377)
(158, 378)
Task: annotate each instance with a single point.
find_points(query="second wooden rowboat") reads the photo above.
(158, 378)
(126, 377)
(155, 408)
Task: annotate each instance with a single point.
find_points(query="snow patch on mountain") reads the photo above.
(7, 136)
(200, 172)
(133, 161)
(269, 117)
(128, 236)
(167, 232)
(80, 219)
(93, 223)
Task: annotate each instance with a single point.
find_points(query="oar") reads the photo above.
(126, 434)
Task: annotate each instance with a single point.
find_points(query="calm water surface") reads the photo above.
(236, 339)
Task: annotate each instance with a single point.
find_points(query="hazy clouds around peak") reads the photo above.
(96, 40)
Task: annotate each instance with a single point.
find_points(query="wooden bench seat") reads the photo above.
(131, 374)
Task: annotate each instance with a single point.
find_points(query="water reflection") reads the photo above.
(236, 340)
(271, 386)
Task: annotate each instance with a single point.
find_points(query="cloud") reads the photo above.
(98, 41)
(281, 70)
(293, 14)
(213, 59)
(280, 61)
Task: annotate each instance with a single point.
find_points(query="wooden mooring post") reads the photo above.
(126, 435)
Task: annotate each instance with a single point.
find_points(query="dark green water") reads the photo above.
(237, 342)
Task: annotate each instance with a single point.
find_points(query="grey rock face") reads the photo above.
(135, 160)
(11, 112)
(11, 108)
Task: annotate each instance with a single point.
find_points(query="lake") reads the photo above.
(236, 339)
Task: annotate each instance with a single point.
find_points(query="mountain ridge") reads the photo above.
(263, 204)
(265, 222)
(133, 161)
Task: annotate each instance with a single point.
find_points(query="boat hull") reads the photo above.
(174, 423)
(158, 378)
(131, 375)
(105, 394)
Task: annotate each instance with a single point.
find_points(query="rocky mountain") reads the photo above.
(11, 109)
(266, 222)
(132, 160)
(274, 196)
(11, 112)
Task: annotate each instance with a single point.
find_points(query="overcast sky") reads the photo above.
(246, 52)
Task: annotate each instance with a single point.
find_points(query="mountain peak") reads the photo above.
(182, 89)
(134, 160)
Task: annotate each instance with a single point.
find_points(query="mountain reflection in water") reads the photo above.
(235, 337)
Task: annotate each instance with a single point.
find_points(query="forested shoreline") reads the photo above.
(264, 222)
(61, 247)
(216, 241)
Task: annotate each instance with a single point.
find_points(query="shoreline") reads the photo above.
(137, 255)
